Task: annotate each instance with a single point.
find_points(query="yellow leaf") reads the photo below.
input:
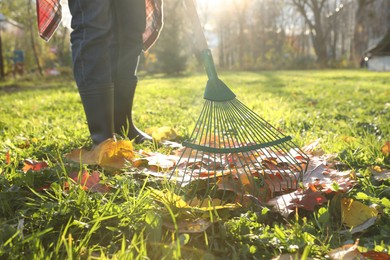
(355, 213)
(168, 197)
(162, 133)
(348, 139)
(110, 154)
(113, 154)
(212, 204)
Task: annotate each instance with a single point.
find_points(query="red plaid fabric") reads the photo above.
(154, 22)
(49, 16)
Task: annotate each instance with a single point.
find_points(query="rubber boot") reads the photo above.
(124, 91)
(99, 110)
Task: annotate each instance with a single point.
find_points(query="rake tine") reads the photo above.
(231, 148)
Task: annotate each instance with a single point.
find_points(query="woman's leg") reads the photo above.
(129, 19)
(90, 38)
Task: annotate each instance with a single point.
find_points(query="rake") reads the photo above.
(232, 152)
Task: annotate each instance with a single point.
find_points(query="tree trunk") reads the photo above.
(360, 36)
(316, 28)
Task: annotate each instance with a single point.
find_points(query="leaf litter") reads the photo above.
(322, 179)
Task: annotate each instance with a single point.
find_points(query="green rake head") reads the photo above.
(233, 153)
(215, 90)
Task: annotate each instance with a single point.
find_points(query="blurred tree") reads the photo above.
(313, 12)
(171, 50)
(22, 12)
(39, 55)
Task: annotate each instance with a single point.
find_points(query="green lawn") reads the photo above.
(348, 110)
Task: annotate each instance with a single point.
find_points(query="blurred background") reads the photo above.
(243, 35)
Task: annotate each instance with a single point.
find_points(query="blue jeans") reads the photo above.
(106, 40)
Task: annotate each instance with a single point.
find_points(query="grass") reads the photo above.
(349, 111)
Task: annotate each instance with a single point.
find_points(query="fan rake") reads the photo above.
(232, 152)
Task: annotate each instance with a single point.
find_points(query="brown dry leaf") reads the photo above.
(386, 149)
(346, 252)
(110, 154)
(373, 255)
(280, 183)
(33, 165)
(313, 148)
(355, 213)
(160, 162)
(139, 162)
(309, 200)
(8, 158)
(281, 203)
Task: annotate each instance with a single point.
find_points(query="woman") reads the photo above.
(107, 39)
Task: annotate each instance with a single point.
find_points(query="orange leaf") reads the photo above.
(33, 165)
(386, 149)
(110, 154)
(7, 158)
(90, 181)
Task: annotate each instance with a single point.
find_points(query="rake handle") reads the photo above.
(201, 42)
(215, 90)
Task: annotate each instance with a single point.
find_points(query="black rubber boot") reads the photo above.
(124, 91)
(99, 110)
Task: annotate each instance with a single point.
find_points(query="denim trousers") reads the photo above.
(106, 41)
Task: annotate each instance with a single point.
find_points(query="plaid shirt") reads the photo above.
(49, 14)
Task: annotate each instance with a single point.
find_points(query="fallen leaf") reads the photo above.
(8, 158)
(110, 154)
(90, 182)
(348, 139)
(281, 203)
(346, 252)
(313, 148)
(373, 255)
(280, 183)
(355, 213)
(309, 200)
(167, 197)
(160, 134)
(33, 165)
(360, 228)
(211, 204)
(160, 162)
(386, 149)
